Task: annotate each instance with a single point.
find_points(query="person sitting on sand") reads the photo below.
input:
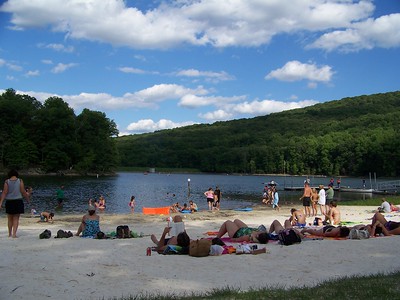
(385, 207)
(298, 218)
(328, 231)
(90, 224)
(333, 214)
(276, 227)
(389, 227)
(193, 206)
(46, 217)
(182, 239)
(184, 208)
(175, 207)
(238, 231)
(393, 207)
(102, 203)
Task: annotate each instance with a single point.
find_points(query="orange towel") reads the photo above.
(156, 210)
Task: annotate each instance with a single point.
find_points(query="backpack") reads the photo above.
(200, 248)
(289, 237)
(123, 232)
(357, 234)
(45, 234)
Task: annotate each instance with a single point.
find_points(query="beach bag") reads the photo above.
(357, 234)
(289, 237)
(200, 248)
(123, 232)
(45, 234)
(61, 234)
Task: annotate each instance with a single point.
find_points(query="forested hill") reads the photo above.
(351, 136)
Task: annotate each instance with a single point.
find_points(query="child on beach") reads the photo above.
(46, 217)
(132, 204)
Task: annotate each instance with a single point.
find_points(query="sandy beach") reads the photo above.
(79, 268)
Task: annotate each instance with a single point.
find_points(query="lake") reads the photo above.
(155, 190)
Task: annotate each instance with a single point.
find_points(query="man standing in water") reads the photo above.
(60, 197)
(306, 198)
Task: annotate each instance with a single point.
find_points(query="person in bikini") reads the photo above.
(328, 231)
(182, 239)
(388, 227)
(238, 231)
(297, 218)
(276, 227)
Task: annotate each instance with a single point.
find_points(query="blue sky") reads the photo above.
(152, 65)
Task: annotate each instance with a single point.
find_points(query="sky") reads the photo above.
(153, 65)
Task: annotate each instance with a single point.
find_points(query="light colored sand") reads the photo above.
(78, 268)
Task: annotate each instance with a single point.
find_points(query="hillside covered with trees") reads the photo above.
(351, 136)
(51, 137)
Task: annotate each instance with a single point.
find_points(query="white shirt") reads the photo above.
(322, 197)
(386, 206)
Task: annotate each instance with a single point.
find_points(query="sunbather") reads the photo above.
(276, 227)
(238, 231)
(389, 227)
(182, 239)
(298, 217)
(328, 231)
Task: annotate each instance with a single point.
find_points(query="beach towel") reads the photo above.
(156, 210)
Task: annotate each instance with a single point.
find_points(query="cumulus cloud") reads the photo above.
(208, 75)
(296, 71)
(135, 71)
(192, 101)
(170, 24)
(148, 125)
(382, 32)
(218, 115)
(32, 73)
(60, 67)
(254, 108)
(57, 47)
(10, 66)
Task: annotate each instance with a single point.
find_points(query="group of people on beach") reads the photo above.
(213, 198)
(270, 195)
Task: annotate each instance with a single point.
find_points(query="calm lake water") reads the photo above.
(155, 190)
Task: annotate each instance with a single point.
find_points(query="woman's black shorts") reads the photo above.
(14, 207)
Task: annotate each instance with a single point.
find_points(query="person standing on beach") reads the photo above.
(60, 196)
(306, 198)
(329, 194)
(13, 192)
(322, 199)
(217, 197)
(132, 204)
(210, 198)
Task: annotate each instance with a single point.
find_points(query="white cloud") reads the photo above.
(60, 67)
(254, 108)
(209, 75)
(47, 61)
(10, 66)
(218, 115)
(135, 71)
(57, 47)
(212, 22)
(148, 125)
(192, 101)
(382, 32)
(296, 71)
(32, 73)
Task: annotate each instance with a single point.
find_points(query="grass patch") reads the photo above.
(357, 287)
(372, 202)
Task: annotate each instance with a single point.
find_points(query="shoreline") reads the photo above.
(79, 268)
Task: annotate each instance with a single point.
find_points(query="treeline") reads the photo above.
(51, 137)
(352, 136)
